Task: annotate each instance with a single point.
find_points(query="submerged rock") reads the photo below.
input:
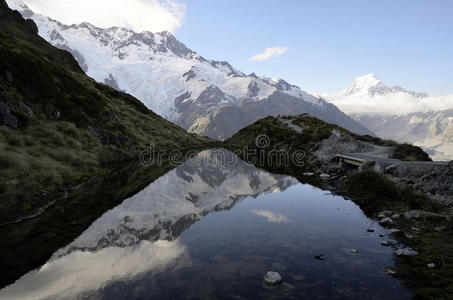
(272, 278)
(370, 230)
(354, 251)
(385, 243)
(406, 252)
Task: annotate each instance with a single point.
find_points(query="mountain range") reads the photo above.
(203, 96)
(398, 114)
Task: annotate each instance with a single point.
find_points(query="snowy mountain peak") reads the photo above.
(364, 85)
(370, 85)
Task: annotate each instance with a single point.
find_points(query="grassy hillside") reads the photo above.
(60, 127)
(314, 131)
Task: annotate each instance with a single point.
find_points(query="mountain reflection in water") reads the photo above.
(149, 246)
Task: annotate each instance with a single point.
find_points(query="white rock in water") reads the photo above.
(385, 243)
(381, 216)
(272, 278)
(406, 252)
(308, 174)
(431, 266)
(386, 222)
(395, 216)
(354, 251)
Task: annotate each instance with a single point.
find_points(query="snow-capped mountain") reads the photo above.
(399, 114)
(203, 96)
(370, 85)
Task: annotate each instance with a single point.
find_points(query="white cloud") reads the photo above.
(269, 53)
(393, 104)
(138, 15)
(270, 216)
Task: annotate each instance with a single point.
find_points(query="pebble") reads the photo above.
(272, 278)
(324, 176)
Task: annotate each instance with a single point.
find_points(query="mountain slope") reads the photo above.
(200, 95)
(399, 114)
(57, 125)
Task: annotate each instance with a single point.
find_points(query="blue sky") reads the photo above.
(329, 42)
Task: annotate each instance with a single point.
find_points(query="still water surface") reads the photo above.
(211, 230)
